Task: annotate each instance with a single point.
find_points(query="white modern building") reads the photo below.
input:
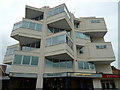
(58, 50)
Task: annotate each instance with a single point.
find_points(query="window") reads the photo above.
(95, 21)
(101, 46)
(26, 60)
(34, 60)
(17, 59)
(81, 50)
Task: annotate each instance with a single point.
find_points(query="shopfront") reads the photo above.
(110, 81)
(79, 80)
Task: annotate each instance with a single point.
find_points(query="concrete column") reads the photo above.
(40, 73)
(97, 83)
(74, 45)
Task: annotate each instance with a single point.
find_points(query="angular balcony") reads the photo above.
(59, 46)
(27, 31)
(97, 53)
(59, 15)
(81, 38)
(10, 53)
(25, 62)
(95, 27)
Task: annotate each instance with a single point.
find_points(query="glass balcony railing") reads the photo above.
(25, 60)
(85, 66)
(59, 40)
(59, 10)
(29, 25)
(53, 63)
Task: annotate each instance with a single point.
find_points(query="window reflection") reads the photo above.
(81, 35)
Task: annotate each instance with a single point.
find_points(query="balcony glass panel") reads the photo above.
(17, 59)
(32, 25)
(80, 65)
(34, 60)
(85, 65)
(49, 63)
(69, 64)
(58, 40)
(81, 35)
(25, 24)
(29, 25)
(26, 60)
(10, 50)
(63, 64)
(54, 63)
(59, 10)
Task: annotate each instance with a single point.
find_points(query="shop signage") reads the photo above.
(110, 76)
(85, 75)
(55, 74)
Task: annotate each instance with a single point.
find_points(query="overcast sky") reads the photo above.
(13, 11)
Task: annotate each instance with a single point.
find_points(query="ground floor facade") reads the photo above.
(58, 81)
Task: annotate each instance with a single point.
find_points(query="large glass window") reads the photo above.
(26, 60)
(34, 60)
(17, 59)
(86, 65)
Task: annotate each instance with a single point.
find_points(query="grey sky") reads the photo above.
(14, 10)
